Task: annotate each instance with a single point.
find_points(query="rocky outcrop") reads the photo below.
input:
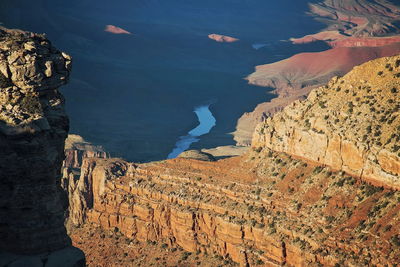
(221, 152)
(115, 30)
(33, 127)
(76, 151)
(222, 38)
(196, 154)
(352, 124)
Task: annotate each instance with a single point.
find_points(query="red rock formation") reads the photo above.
(293, 78)
(115, 30)
(359, 18)
(365, 42)
(76, 149)
(240, 209)
(335, 39)
(321, 36)
(311, 69)
(222, 38)
(354, 23)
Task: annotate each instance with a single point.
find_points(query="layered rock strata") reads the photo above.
(76, 151)
(359, 18)
(262, 209)
(352, 124)
(33, 128)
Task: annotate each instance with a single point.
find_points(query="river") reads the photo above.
(206, 123)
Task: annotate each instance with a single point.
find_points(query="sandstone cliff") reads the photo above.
(263, 209)
(352, 124)
(33, 127)
(76, 151)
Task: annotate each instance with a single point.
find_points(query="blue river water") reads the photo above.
(206, 123)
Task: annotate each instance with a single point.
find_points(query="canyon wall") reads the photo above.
(76, 151)
(352, 124)
(295, 77)
(239, 208)
(33, 128)
(357, 31)
(359, 18)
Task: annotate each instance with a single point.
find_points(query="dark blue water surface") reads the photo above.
(135, 94)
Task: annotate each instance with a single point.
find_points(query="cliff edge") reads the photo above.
(33, 128)
(351, 124)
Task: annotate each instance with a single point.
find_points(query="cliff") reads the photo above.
(352, 124)
(359, 18)
(353, 19)
(357, 31)
(76, 151)
(33, 127)
(262, 209)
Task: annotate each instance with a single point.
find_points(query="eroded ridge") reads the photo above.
(352, 124)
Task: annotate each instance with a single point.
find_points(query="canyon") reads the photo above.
(357, 31)
(317, 186)
(320, 186)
